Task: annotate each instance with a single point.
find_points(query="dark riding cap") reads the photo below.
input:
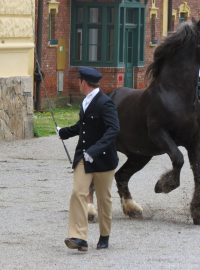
(89, 74)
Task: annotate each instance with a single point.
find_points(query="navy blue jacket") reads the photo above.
(97, 129)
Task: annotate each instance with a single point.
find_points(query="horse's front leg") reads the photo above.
(194, 158)
(171, 179)
(92, 212)
(133, 164)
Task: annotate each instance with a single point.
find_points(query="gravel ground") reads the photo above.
(35, 186)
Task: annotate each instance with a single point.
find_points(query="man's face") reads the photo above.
(81, 85)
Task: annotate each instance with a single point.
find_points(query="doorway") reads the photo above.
(128, 59)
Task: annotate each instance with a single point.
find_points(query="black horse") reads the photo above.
(162, 117)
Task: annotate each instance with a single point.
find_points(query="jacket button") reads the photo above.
(83, 123)
(83, 132)
(104, 153)
(83, 141)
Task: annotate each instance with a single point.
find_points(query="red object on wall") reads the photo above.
(120, 78)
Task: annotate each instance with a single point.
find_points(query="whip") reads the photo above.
(49, 105)
(38, 68)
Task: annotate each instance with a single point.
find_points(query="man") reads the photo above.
(95, 159)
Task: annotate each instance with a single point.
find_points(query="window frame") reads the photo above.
(52, 41)
(104, 27)
(117, 59)
(139, 25)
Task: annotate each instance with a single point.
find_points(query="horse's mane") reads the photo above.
(184, 37)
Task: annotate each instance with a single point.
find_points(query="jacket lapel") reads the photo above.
(81, 112)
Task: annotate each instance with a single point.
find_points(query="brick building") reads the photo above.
(116, 36)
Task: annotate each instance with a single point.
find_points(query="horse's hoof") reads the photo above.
(163, 186)
(92, 218)
(196, 221)
(92, 213)
(158, 188)
(131, 208)
(135, 214)
(132, 213)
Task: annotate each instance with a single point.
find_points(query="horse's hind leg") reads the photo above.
(171, 179)
(194, 157)
(133, 164)
(92, 212)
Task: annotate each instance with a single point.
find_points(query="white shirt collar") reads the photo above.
(87, 100)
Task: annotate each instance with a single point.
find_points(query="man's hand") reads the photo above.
(87, 157)
(57, 130)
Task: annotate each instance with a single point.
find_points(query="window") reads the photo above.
(183, 17)
(93, 34)
(79, 44)
(94, 49)
(110, 35)
(141, 47)
(98, 33)
(131, 17)
(153, 17)
(184, 12)
(129, 46)
(153, 29)
(94, 15)
(131, 43)
(121, 43)
(60, 81)
(79, 34)
(52, 27)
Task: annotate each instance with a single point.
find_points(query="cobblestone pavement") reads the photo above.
(35, 185)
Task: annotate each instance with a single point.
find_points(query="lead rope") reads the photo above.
(45, 89)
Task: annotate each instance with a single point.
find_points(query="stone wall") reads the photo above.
(17, 19)
(16, 108)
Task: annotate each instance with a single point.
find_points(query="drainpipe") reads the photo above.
(170, 4)
(39, 52)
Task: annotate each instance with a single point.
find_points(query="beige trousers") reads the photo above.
(78, 212)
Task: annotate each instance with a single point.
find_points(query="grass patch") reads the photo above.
(43, 124)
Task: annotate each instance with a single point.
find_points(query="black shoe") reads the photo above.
(75, 243)
(103, 242)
